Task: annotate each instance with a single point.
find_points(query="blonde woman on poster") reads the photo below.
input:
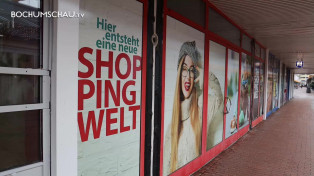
(183, 136)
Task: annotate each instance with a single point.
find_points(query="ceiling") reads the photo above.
(285, 27)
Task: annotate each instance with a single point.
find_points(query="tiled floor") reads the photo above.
(281, 145)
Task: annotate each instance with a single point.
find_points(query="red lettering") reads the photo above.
(134, 109)
(100, 63)
(135, 68)
(115, 97)
(132, 93)
(90, 119)
(87, 63)
(117, 66)
(98, 104)
(110, 121)
(81, 95)
(122, 127)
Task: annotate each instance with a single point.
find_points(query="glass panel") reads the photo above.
(261, 90)
(246, 43)
(222, 27)
(263, 53)
(232, 93)
(256, 88)
(19, 89)
(257, 50)
(20, 37)
(216, 90)
(191, 9)
(245, 100)
(20, 138)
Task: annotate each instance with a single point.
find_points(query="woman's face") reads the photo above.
(187, 76)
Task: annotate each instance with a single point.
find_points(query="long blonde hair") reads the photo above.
(176, 123)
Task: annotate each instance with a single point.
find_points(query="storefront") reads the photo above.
(98, 95)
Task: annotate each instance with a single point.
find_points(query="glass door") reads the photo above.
(24, 92)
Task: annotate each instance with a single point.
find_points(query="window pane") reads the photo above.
(19, 89)
(246, 43)
(263, 53)
(20, 37)
(222, 27)
(20, 138)
(191, 9)
(257, 50)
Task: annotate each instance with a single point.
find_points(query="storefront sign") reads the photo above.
(109, 87)
(299, 64)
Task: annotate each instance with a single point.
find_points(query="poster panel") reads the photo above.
(216, 90)
(261, 90)
(270, 85)
(256, 88)
(276, 83)
(282, 96)
(232, 93)
(183, 95)
(109, 87)
(245, 100)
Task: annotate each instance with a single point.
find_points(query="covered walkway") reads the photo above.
(281, 145)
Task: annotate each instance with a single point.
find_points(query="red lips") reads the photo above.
(187, 86)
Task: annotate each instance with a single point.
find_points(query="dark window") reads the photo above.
(191, 9)
(246, 43)
(20, 138)
(222, 27)
(257, 50)
(263, 53)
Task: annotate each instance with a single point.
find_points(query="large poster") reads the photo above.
(270, 84)
(216, 90)
(261, 91)
(276, 83)
(183, 95)
(256, 81)
(109, 87)
(245, 100)
(232, 93)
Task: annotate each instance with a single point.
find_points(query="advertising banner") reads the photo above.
(109, 87)
(261, 90)
(232, 93)
(270, 77)
(245, 100)
(183, 104)
(256, 87)
(216, 91)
